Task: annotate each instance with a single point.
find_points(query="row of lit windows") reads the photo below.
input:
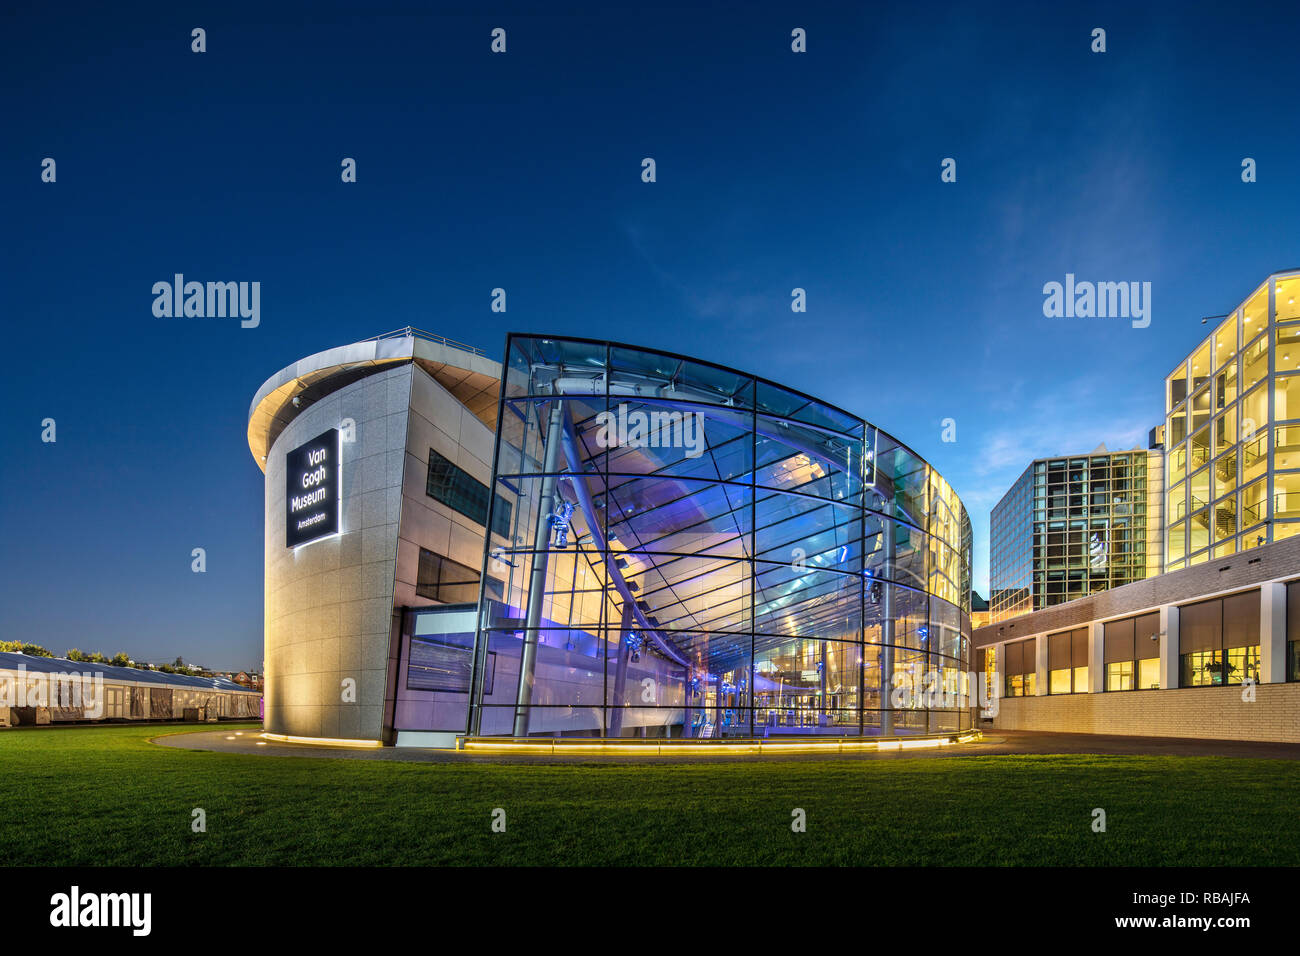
(1218, 646)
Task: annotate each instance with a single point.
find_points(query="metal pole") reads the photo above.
(821, 698)
(887, 630)
(541, 557)
(686, 716)
(620, 674)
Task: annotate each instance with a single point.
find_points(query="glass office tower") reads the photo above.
(1233, 431)
(695, 552)
(1011, 569)
(1073, 526)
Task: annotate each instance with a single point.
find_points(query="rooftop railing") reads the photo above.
(411, 331)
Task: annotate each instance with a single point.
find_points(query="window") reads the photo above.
(1219, 640)
(1176, 549)
(1021, 668)
(1286, 394)
(464, 494)
(445, 663)
(1287, 340)
(1253, 504)
(1176, 503)
(1225, 341)
(1293, 630)
(1286, 495)
(1254, 363)
(1067, 662)
(990, 671)
(115, 702)
(1201, 367)
(1284, 299)
(1202, 668)
(441, 579)
(1254, 414)
(1225, 474)
(1176, 386)
(1119, 675)
(1131, 653)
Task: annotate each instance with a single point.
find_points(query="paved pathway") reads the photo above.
(1000, 742)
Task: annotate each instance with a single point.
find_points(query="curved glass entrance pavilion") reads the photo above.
(679, 549)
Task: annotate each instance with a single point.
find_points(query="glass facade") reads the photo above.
(1293, 631)
(696, 552)
(1232, 427)
(1073, 526)
(1011, 567)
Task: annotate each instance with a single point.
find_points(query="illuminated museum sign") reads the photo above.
(312, 490)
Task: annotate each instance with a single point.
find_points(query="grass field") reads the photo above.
(105, 795)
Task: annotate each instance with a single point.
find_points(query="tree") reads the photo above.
(120, 660)
(19, 647)
(75, 655)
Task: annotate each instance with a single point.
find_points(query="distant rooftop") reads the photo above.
(11, 661)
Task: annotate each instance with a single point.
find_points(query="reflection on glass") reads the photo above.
(699, 553)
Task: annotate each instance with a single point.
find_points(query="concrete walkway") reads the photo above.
(995, 743)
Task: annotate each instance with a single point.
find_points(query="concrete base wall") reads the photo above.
(1216, 713)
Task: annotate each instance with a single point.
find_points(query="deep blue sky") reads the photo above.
(775, 170)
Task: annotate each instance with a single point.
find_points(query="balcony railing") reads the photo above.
(1254, 451)
(1286, 505)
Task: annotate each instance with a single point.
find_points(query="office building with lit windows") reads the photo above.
(1211, 647)
(1075, 525)
(1232, 427)
(594, 540)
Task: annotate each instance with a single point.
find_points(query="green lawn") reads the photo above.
(105, 795)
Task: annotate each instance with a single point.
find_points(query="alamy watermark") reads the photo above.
(914, 687)
(655, 429)
(211, 300)
(84, 689)
(1101, 300)
(75, 908)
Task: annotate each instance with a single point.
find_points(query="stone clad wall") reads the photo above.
(329, 604)
(1209, 713)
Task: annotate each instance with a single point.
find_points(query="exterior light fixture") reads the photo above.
(560, 522)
